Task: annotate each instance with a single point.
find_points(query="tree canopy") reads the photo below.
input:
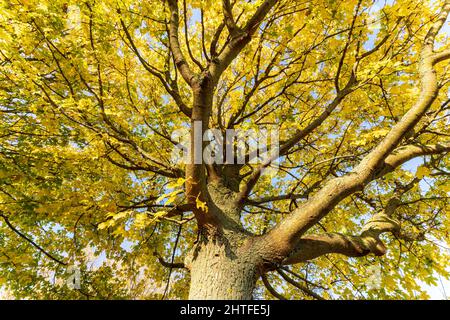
(91, 91)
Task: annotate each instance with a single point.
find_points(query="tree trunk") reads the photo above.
(222, 268)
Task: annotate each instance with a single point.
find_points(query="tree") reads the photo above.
(91, 92)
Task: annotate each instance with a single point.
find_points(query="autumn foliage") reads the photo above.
(91, 91)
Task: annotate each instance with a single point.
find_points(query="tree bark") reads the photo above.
(222, 267)
(224, 263)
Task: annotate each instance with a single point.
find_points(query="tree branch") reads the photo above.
(408, 152)
(172, 90)
(240, 39)
(23, 236)
(164, 263)
(441, 56)
(180, 60)
(271, 289)
(313, 246)
(299, 286)
(298, 136)
(186, 37)
(228, 18)
(285, 236)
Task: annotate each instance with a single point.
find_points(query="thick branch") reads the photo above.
(313, 246)
(228, 18)
(285, 236)
(180, 60)
(441, 56)
(408, 152)
(240, 39)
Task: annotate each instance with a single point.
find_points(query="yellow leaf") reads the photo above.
(141, 220)
(201, 205)
(176, 184)
(171, 197)
(160, 214)
(422, 172)
(105, 225)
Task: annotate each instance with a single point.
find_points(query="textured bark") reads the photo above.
(222, 268)
(223, 263)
